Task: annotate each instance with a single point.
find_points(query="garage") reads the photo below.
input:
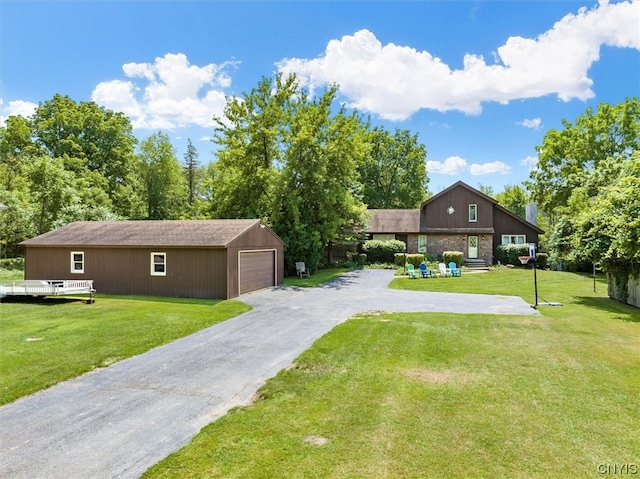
(209, 259)
(257, 270)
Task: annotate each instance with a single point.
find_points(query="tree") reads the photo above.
(573, 157)
(165, 189)
(394, 173)
(583, 171)
(192, 170)
(486, 189)
(286, 158)
(514, 199)
(251, 136)
(89, 137)
(318, 196)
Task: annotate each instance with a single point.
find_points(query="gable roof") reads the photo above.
(394, 221)
(209, 233)
(496, 205)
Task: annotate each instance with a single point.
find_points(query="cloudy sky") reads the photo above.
(479, 82)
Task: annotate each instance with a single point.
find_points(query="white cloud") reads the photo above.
(454, 165)
(530, 161)
(534, 123)
(16, 108)
(168, 93)
(489, 168)
(396, 81)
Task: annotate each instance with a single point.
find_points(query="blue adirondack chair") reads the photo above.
(424, 271)
(454, 270)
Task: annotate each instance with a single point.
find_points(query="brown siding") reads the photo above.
(256, 238)
(435, 215)
(191, 272)
(505, 224)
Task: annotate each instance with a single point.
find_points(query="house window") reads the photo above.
(514, 239)
(77, 262)
(158, 264)
(422, 243)
(473, 212)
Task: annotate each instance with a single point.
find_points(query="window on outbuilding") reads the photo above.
(158, 264)
(77, 262)
(473, 212)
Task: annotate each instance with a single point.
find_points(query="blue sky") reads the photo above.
(479, 82)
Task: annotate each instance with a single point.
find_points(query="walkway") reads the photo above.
(118, 421)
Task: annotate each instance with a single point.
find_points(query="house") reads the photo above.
(459, 218)
(191, 258)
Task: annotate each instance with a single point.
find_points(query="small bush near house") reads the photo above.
(382, 251)
(508, 253)
(415, 259)
(542, 259)
(455, 256)
(362, 259)
(399, 259)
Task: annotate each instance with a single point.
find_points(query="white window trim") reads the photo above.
(475, 207)
(164, 263)
(73, 262)
(515, 237)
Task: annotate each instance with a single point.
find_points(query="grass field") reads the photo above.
(442, 395)
(46, 342)
(318, 277)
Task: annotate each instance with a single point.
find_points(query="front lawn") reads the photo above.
(43, 343)
(443, 395)
(318, 277)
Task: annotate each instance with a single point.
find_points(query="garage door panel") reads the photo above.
(257, 270)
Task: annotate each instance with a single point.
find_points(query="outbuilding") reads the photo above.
(178, 258)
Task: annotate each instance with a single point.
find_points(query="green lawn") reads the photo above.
(443, 395)
(46, 342)
(318, 277)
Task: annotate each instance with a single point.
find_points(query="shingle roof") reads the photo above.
(145, 233)
(394, 221)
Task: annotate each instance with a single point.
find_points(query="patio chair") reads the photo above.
(301, 270)
(413, 274)
(423, 269)
(443, 270)
(454, 270)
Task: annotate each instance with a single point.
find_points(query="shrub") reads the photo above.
(383, 251)
(362, 258)
(399, 259)
(415, 259)
(508, 253)
(455, 256)
(542, 259)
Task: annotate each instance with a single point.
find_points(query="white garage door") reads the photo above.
(257, 270)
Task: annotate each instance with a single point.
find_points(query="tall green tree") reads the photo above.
(576, 171)
(192, 170)
(513, 198)
(394, 173)
(290, 160)
(88, 137)
(252, 140)
(574, 157)
(319, 199)
(165, 188)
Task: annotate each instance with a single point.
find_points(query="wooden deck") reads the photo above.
(42, 288)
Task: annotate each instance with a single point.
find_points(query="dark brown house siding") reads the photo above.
(506, 223)
(435, 213)
(199, 258)
(193, 273)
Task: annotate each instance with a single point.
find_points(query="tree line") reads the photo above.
(305, 167)
(310, 170)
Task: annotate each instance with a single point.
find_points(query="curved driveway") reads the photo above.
(118, 421)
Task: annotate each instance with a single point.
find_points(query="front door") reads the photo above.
(473, 247)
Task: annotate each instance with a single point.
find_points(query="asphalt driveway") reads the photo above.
(118, 421)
